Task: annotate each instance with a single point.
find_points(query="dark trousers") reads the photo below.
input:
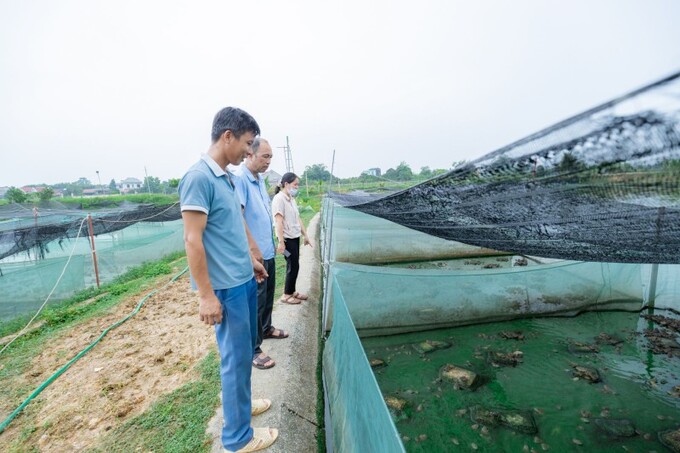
(265, 303)
(292, 264)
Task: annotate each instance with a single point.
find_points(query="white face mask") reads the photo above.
(293, 192)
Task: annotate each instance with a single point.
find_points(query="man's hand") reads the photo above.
(256, 255)
(210, 310)
(260, 272)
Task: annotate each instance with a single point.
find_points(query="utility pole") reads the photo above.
(330, 180)
(288, 156)
(101, 190)
(148, 186)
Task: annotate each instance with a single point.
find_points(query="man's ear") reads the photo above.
(227, 136)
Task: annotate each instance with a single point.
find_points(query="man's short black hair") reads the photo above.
(234, 119)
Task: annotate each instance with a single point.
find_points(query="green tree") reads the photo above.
(570, 163)
(152, 184)
(113, 188)
(425, 172)
(404, 172)
(15, 195)
(316, 172)
(170, 185)
(173, 183)
(391, 174)
(46, 194)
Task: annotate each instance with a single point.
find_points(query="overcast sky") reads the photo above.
(118, 86)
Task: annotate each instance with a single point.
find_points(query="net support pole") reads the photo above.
(651, 294)
(94, 250)
(330, 179)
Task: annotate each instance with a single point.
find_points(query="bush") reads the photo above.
(15, 195)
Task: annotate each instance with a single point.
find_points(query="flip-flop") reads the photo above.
(292, 300)
(275, 333)
(262, 438)
(259, 406)
(261, 362)
(300, 296)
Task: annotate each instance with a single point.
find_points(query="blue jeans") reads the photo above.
(236, 339)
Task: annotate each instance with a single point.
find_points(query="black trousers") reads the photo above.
(292, 264)
(265, 303)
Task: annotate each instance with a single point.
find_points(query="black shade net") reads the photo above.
(601, 186)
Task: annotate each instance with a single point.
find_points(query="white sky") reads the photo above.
(116, 86)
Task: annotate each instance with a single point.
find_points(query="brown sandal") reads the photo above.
(263, 363)
(300, 296)
(288, 299)
(276, 333)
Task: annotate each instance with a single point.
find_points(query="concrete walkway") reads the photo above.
(291, 384)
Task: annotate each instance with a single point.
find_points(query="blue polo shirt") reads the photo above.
(254, 198)
(207, 188)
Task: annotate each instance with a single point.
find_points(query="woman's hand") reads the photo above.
(280, 248)
(307, 242)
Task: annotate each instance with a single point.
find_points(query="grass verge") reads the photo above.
(176, 422)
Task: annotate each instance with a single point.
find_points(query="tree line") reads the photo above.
(315, 174)
(402, 172)
(151, 184)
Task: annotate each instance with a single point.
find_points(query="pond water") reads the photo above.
(637, 395)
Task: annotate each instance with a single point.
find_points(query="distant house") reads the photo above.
(94, 191)
(55, 192)
(272, 177)
(372, 172)
(3, 191)
(128, 185)
(30, 189)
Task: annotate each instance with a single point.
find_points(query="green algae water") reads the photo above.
(638, 387)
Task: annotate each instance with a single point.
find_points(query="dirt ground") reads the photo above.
(151, 354)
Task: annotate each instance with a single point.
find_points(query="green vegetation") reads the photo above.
(177, 421)
(316, 172)
(116, 200)
(15, 195)
(46, 194)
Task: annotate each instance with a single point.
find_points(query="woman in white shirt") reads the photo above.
(289, 228)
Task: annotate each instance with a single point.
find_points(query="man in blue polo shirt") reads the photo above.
(225, 274)
(256, 204)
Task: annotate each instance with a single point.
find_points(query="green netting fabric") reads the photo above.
(365, 239)
(394, 300)
(360, 419)
(601, 186)
(26, 280)
(24, 228)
